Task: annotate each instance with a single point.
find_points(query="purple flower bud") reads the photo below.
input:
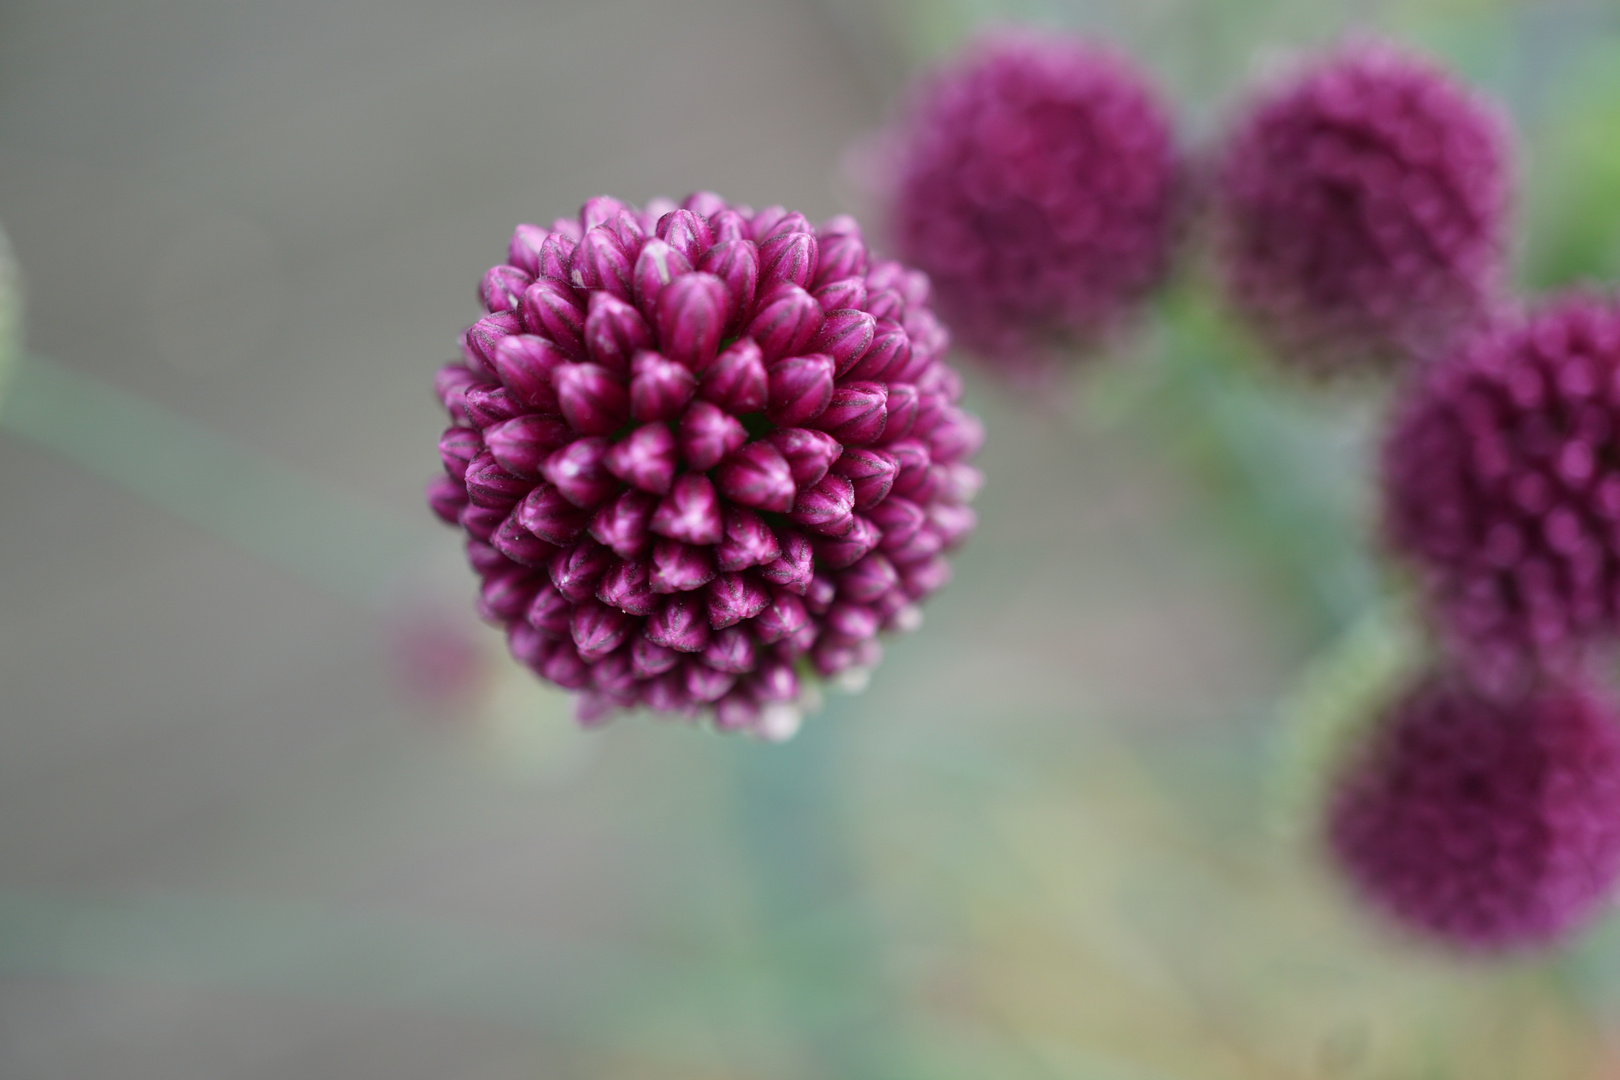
(736, 263)
(549, 611)
(565, 667)
(839, 258)
(692, 313)
(775, 680)
(735, 597)
(854, 621)
(889, 352)
(856, 413)
(529, 646)
(615, 332)
(959, 435)
(922, 545)
(868, 579)
(687, 233)
(690, 513)
(506, 595)
(550, 516)
(902, 410)
(706, 684)
(843, 293)
(737, 711)
(576, 570)
(489, 485)
(800, 388)
(678, 567)
(706, 204)
(706, 434)
(790, 258)
(451, 383)
(598, 210)
(757, 476)
(774, 221)
(953, 523)
(601, 262)
(659, 387)
(484, 559)
(457, 447)
(796, 565)
(614, 675)
(579, 471)
(518, 544)
(502, 288)
(962, 484)
(521, 444)
(862, 538)
(479, 342)
(627, 586)
(622, 524)
(783, 617)
(555, 255)
(898, 519)
(667, 694)
(834, 653)
(680, 623)
(481, 522)
(788, 320)
(645, 459)
(748, 541)
(821, 594)
(486, 404)
(570, 228)
(591, 399)
(808, 453)
(550, 308)
(731, 648)
(656, 266)
(648, 660)
(885, 304)
(729, 225)
(870, 472)
(737, 381)
(825, 507)
(598, 629)
(524, 363)
(845, 336)
(447, 498)
(524, 250)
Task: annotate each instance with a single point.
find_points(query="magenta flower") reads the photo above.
(1501, 483)
(702, 454)
(1489, 823)
(1362, 209)
(1036, 184)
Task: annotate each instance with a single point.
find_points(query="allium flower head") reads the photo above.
(1501, 480)
(1489, 823)
(702, 453)
(1036, 184)
(1362, 209)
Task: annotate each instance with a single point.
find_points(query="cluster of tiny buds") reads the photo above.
(703, 454)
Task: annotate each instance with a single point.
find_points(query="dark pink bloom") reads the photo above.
(1488, 822)
(1363, 208)
(1501, 484)
(675, 440)
(1035, 180)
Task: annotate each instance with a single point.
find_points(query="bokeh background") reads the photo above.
(273, 805)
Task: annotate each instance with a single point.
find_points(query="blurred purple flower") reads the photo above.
(1035, 180)
(1362, 209)
(661, 510)
(1490, 823)
(1501, 481)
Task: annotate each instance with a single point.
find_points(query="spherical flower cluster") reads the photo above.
(1036, 184)
(1501, 480)
(1362, 209)
(700, 452)
(1485, 822)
